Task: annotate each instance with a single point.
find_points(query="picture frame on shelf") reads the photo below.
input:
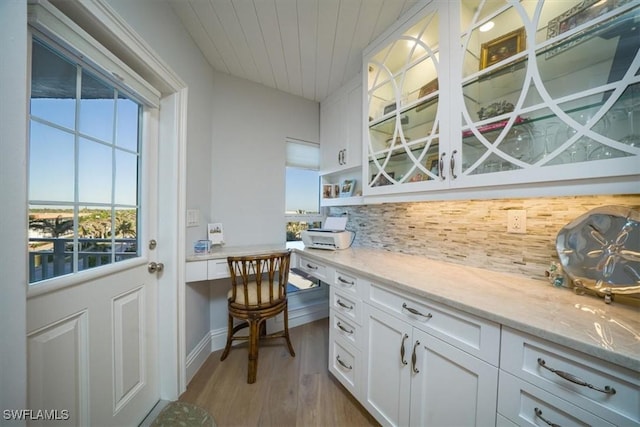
(347, 187)
(582, 12)
(389, 108)
(503, 47)
(382, 179)
(425, 90)
(432, 164)
(327, 191)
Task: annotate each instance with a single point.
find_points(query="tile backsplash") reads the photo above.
(474, 232)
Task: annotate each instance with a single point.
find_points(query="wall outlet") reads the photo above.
(516, 221)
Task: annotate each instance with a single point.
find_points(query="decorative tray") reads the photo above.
(600, 250)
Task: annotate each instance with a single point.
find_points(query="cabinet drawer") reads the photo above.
(347, 283)
(527, 405)
(196, 271)
(532, 359)
(346, 305)
(346, 329)
(316, 269)
(217, 269)
(344, 364)
(476, 336)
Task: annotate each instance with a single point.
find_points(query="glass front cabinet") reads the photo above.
(518, 92)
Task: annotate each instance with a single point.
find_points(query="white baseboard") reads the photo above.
(197, 356)
(217, 338)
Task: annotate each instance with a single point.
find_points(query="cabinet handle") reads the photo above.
(312, 267)
(344, 156)
(416, 312)
(344, 365)
(346, 282)
(340, 157)
(441, 166)
(343, 305)
(414, 358)
(576, 380)
(339, 325)
(404, 338)
(452, 164)
(539, 415)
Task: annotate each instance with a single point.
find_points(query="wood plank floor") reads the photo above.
(289, 391)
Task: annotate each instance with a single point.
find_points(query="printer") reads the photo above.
(332, 236)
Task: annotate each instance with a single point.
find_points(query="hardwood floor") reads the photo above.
(289, 391)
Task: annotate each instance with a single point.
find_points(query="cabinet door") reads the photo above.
(404, 113)
(449, 386)
(333, 133)
(353, 150)
(387, 377)
(539, 112)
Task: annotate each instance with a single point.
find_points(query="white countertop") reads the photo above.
(582, 322)
(218, 252)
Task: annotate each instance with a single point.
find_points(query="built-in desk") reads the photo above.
(213, 265)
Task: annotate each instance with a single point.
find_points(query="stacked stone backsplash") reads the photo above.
(474, 232)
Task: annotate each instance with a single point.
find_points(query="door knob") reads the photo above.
(155, 267)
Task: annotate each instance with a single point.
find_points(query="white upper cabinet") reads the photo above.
(341, 128)
(488, 93)
(404, 111)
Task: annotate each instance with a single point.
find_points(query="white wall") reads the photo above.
(13, 221)
(250, 124)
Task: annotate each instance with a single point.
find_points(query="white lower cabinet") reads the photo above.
(414, 378)
(345, 329)
(568, 387)
(528, 405)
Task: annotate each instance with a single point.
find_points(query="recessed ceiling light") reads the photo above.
(486, 27)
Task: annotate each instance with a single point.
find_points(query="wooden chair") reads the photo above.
(258, 292)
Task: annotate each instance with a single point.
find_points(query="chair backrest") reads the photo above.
(259, 280)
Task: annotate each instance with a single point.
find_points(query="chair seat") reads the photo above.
(252, 291)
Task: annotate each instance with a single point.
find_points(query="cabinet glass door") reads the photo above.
(403, 107)
(551, 83)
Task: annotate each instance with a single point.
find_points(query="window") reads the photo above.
(84, 163)
(302, 209)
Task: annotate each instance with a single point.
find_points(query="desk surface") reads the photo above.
(219, 252)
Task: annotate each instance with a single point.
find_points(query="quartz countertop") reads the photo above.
(581, 322)
(218, 252)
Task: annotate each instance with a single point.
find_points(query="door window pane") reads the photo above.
(97, 108)
(51, 164)
(83, 176)
(94, 172)
(53, 87)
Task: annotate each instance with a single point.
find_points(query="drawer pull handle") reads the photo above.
(344, 329)
(344, 365)
(539, 415)
(346, 282)
(343, 305)
(312, 267)
(404, 338)
(414, 358)
(569, 377)
(416, 312)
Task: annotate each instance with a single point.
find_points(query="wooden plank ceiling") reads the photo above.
(307, 48)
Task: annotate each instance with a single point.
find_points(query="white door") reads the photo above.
(387, 367)
(449, 387)
(92, 342)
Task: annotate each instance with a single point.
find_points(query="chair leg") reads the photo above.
(254, 337)
(286, 331)
(227, 347)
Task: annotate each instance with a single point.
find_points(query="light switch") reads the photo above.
(193, 217)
